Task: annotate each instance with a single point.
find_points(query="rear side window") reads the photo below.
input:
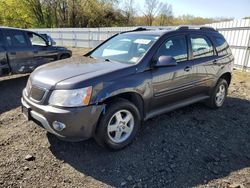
(201, 47)
(221, 45)
(15, 38)
(176, 47)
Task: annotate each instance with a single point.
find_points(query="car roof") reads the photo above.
(13, 28)
(163, 30)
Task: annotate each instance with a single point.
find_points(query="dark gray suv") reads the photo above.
(129, 78)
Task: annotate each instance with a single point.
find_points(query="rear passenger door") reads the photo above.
(202, 57)
(19, 51)
(223, 57)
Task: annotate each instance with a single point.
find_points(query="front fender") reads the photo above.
(138, 83)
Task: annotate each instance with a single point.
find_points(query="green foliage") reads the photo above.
(89, 13)
(14, 13)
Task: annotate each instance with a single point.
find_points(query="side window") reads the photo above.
(15, 38)
(175, 47)
(221, 46)
(36, 40)
(201, 47)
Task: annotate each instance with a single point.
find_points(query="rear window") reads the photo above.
(201, 47)
(15, 38)
(221, 45)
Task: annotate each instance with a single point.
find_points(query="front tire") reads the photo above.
(119, 125)
(218, 95)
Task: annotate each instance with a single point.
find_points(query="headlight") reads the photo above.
(28, 87)
(71, 98)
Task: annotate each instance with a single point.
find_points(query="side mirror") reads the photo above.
(166, 61)
(53, 43)
(50, 42)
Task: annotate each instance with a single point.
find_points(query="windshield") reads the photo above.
(126, 48)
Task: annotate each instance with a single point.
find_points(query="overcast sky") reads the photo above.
(210, 8)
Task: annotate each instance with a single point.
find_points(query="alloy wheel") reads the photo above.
(120, 126)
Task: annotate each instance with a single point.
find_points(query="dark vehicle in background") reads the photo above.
(21, 51)
(131, 77)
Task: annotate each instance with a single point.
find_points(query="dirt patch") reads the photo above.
(79, 51)
(190, 147)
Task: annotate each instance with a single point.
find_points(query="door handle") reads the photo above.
(187, 69)
(35, 52)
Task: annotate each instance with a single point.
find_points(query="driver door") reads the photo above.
(175, 83)
(41, 50)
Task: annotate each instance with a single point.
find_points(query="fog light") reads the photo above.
(58, 126)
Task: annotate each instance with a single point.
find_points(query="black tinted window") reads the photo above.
(175, 47)
(201, 47)
(16, 38)
(221, 45)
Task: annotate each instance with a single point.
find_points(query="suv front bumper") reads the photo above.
(80, 122)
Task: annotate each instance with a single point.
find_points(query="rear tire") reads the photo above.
(119, 125)
(218, 96)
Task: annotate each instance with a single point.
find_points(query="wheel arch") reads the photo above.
(132, 97)
(65, 54)
(227, 76)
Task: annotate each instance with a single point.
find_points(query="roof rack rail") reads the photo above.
(148, 28)
(134, 30)
(182, 27)
(186, 27)
(207, 28)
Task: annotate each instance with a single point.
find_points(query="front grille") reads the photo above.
(37, 93)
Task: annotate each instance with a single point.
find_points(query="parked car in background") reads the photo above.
(131, 77)
(21, 51)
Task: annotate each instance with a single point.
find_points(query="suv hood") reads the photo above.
(49, 75)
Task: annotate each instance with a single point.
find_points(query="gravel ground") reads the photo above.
(190, 147)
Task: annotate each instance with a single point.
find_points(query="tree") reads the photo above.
(14, 13)
(90, 13)
(152, 8)
(165, 15)
(35, 6)
(128, 10)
